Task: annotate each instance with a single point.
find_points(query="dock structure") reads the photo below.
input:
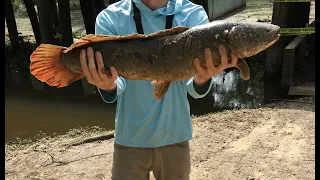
(282, 56)
(294, 51)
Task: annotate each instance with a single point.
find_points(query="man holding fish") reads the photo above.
(150, 134)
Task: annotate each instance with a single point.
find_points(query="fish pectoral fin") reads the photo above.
(160, 89)
(244, 69)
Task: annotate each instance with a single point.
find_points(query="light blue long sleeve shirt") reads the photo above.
(141, 120)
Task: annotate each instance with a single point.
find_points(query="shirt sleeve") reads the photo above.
(197, 17)
(104, 25)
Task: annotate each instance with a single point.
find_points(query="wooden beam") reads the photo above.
(302, 91)
(295, 42)
(288, 61)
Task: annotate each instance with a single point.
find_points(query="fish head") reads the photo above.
(248, 39)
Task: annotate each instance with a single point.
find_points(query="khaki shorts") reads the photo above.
(166, 162)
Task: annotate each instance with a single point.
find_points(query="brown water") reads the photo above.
(25, 117)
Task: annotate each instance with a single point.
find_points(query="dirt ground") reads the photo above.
(274, 142)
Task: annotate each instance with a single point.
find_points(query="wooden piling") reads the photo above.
(11, 24)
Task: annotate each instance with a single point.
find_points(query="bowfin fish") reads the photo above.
(165, 56)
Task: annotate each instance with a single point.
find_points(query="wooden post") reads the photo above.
(65, 22)
(288, 61)
(286, 15)
(11, 24)
(33, 19)
(47, 35)
(54, 15)
(89, 15)
(45, 22)
(75, 89)
(8, 75)
(99, 6)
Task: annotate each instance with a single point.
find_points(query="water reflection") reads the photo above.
(26, 117)
(230, 91)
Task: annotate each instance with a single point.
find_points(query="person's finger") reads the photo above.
(92, 65)
(234, 60)
(101, 69)
(224, 56)
(84, 65)
(209, 61)
(198, 66)
(114, 73)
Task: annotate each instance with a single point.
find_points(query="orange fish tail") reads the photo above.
(46, 66)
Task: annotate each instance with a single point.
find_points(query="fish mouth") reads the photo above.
(273, 41)
(275, 33)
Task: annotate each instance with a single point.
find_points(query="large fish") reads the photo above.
(165, 56)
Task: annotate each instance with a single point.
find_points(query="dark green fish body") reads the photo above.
(168, 55)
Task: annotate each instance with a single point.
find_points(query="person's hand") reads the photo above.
(98, 76)
(204, 74)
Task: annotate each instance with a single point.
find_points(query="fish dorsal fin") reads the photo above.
(91, 38)
(166, 32)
